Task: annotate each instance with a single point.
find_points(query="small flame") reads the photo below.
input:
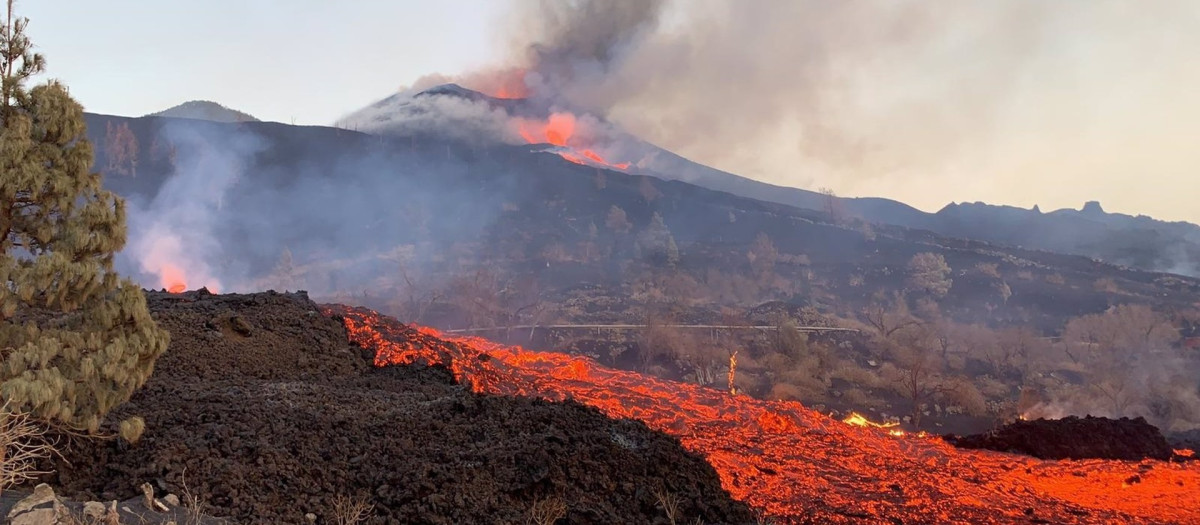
(732, 371)
(860, 420)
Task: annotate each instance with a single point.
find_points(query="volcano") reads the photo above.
(1139, 242)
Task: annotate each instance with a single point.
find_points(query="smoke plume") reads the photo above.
(174, 234)
(1016, 102)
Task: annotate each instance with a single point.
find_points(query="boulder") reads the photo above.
(39, 508)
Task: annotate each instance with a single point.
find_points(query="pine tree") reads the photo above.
(656, 243)
(76, 340)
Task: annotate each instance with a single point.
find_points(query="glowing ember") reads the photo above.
(800, 466)
(1184, 452)
(173, 279)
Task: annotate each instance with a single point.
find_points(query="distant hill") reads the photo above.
(205, 110)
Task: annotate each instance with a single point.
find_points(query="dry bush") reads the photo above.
(1025, 275)
(786, 392)
(858, 397)
(1056, 278)
(352, 510)
(1106, 285)
(965, 395)
(988, 269)
(991, 387)
(747, 382)
(806, 376)
(773, 361)
(22, 444)
(669, 503)
(546, 511)
(191, 501)
(131, 429)
(850, 372)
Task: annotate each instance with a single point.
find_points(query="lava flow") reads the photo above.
(799, 466)
(559, 130)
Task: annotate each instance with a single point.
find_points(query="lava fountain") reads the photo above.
(559, 130)
(800, 466)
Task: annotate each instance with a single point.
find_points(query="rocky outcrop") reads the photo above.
(1074, 438)
(44, 507)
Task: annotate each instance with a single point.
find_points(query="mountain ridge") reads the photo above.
(1139, 241)
(205, 110)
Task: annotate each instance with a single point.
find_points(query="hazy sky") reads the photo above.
(308, 60)
(1015, 102)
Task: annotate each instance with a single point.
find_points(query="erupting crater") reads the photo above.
(800, 466)
(559, 130)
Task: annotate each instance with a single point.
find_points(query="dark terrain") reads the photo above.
(1074, 438)
(266, 412)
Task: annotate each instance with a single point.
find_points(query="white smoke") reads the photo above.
(173, 236)
(448, 116)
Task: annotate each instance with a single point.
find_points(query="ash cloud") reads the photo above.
(920, 102)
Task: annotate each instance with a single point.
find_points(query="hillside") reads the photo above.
(1140, 242)
(460, 234)
(204, 110)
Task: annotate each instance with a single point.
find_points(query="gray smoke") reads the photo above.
(246, 208)
(924, 102)
(405, 114)
(174, 239)
(574, 50)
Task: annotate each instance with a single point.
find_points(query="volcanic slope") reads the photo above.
(267, 412)
(1141, 241)
(803, 467)
(344, 205)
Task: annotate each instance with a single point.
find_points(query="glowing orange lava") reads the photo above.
(558, 130)
(172, 278)
(800, 466)
(860, 420)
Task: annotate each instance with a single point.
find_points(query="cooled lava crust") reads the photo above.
(267, 412)
(1074, 438)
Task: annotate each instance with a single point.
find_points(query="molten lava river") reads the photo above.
(800, 466)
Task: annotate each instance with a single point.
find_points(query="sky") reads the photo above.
(307, 61)
(1017, 102)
